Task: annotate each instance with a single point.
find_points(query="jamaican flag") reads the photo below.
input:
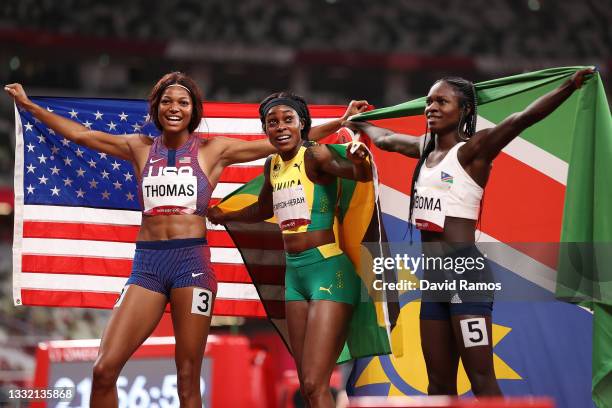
(357, 221)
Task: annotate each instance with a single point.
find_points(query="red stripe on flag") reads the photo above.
(235, 273)
(251, 110)
(222, 307)
(76, 265)
(94, 232)
(240, 174)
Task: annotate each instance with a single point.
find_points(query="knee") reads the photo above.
(105, 374)
(441, 386)
(188, 379)
(314, 387)
(484, 383)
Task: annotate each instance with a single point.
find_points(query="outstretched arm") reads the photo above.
(487, 144)
(114, 145)
(323, 161)
(260, 210)
(321, 131)
(388, 140)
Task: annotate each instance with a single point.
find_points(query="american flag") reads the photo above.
(77, 213)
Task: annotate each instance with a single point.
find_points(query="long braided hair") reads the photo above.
(465, 129)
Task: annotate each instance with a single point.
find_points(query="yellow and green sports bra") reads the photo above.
(299, 204)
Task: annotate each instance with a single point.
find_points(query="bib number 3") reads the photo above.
(201, 302)
(474, 332)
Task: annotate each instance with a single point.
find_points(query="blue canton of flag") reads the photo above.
(446, 178)
(60, 172)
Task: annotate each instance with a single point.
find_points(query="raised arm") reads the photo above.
(118, 146)
(327, 128)
(388, 140)
(488, 143)
(260, 210)
(321, 161)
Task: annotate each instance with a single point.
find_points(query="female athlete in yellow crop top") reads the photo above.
(321, 286)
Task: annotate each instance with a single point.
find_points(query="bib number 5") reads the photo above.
(474, 332)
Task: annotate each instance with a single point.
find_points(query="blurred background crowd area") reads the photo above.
(330, 51)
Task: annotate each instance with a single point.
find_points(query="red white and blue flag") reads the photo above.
(77, 213)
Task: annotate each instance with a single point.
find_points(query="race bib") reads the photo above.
(429, 210)
(174, 191)
(290, 207)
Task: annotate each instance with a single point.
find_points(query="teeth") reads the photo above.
(281, 138)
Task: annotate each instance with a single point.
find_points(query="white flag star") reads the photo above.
(80, 172)
(92, 163)
(98, 115)
(30, 189)
(31, 168)
(147, 117)
(41, 139)
(117, 185)
(28, 127)
(129, 196)
(67, 161)
(54, 170)
(42, 180)
(42, 158)
(105, 195)
(30, 147)
(79, 152)
(65, 142)
(93, 183)
(68, 181)
(55, 191)
(87, 124)
(102, 155)
(128, 176)
(123, 116)
(51, 131)
(54, 149)
(111, 125)
(136, 127)
(104, 174)
(80, 193)
(115, 165)
(73, 113)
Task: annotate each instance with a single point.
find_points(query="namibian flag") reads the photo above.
(358, 215)
(446, 178)
(548, 202)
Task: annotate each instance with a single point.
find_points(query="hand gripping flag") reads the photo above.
(357, 221)
(548, 189)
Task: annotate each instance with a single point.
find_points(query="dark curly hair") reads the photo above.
(302, 110)
(194, 93)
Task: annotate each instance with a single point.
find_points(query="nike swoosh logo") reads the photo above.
(151, 161)
(193, 275)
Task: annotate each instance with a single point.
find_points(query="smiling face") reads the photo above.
(175, 109)
(283, 128)
(442, 108)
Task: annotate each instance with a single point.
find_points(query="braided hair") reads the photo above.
(466, 128)
(297, 102)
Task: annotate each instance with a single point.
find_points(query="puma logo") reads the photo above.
(298, 165)
(328, 290)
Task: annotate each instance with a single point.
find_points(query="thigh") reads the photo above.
(439, 350)
(474, 342)
(132, 321)
(191, 315)
(296, 313)
(326, 332)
